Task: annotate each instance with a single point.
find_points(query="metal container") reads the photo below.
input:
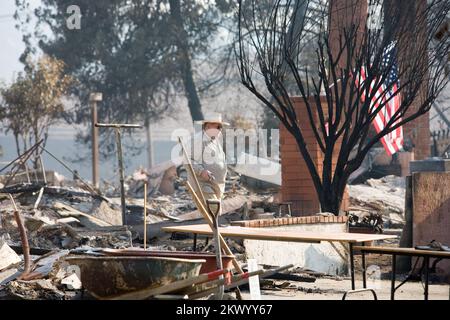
(108, 276)
(208, 266)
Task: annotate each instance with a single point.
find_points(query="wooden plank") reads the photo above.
(405, 251)
(85, 219)
(274, 235)
(238, 234)
(208, 219)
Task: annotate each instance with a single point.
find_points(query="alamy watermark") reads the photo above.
(256, 149)
(73, 21)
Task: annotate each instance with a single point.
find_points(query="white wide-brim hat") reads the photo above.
(213, 118)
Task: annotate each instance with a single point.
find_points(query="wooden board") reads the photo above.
(403, 251)
(85, 219)
(274, 235)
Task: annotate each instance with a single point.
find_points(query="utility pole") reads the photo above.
(94, 97)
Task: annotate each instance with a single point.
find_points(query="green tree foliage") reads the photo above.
(137, 53)
(142, 55)
(33, 102)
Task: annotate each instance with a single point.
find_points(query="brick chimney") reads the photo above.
(296, 183)
(345, 12)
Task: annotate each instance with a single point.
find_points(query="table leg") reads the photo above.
(352, 266)
(427, 273)
(194, 247)
(364, 268)
(394, 271)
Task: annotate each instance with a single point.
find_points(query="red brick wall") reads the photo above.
(343, 14)
(296, 183)
(418, 131)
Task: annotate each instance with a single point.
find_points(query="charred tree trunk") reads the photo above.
(185, 62)
(355, 70)
(16, 139)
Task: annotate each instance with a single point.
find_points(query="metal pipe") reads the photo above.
(94, 97)
(118, 125)
(121, 175)
(92, 190)
(364, 268)
(352, 265)
(214, 209)
(42, 169)
(427, 273)
(26, 153)
(145, 215)
(23, 238)
(394, 267)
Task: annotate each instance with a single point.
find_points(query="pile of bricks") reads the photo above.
(260, 223)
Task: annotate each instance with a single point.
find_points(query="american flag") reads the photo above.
(393, 141)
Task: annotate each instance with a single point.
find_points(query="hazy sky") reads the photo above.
(11, 40)
(12, 47)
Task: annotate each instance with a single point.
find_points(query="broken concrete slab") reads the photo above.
(228, 205)
(328, 257)
(262, 169)
(430, 165)
(72, 282)
(107, 213)
(8, 256)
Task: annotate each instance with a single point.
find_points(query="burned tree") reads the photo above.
(354, 80)
(34, 102)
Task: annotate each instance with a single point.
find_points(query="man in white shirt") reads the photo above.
(208, 158)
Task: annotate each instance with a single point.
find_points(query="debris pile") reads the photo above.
(49, 278)
(64, 218)
(61, 216)
(384, 197)
(372, 221)
(39, 224)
